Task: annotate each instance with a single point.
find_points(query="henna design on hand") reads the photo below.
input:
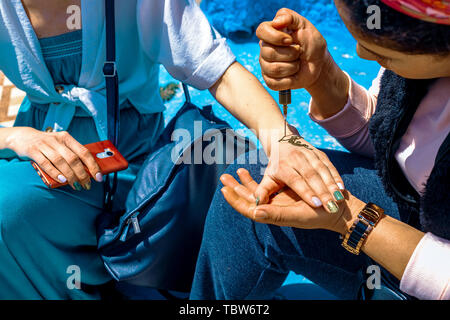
(295, 140)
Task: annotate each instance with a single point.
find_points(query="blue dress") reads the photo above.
(47, 236)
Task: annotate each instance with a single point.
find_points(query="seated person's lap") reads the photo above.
(46, 230)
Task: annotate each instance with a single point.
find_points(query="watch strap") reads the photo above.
(367, 219)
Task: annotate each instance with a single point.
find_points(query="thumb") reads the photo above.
(266, 188)
(272, 214)
(289, 19)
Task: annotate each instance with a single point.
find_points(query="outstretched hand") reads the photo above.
(283, 209)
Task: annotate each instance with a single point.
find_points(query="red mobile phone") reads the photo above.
(105, 154)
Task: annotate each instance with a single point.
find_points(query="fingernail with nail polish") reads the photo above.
(316, 201)
(341, 186)
(77, 186)
(257, 201)
(87, 185)
(62, 179)
(332, 206)
(338, 195)
(259, 214)
(99, 177)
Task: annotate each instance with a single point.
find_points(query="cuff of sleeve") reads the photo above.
(213, 67)
(427, 275)
(352, 117)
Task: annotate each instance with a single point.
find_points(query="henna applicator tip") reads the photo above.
(284, 97)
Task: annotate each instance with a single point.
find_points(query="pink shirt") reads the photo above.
(427, 275)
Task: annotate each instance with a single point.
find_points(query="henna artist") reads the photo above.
(396, 210)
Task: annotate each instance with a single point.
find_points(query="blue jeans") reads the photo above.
(241, 259)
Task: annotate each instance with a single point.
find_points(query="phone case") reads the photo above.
(105, 154)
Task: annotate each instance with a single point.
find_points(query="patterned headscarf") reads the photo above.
(436, 11)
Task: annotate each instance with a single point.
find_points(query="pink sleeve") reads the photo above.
(427, 275)
(350, 126)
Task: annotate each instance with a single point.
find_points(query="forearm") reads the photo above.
(391, 243)
(6, 148)
(5, 137)
(330, 92)
(246, 99)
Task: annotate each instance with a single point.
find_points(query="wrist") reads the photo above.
(271, 137)
(353, 206)
(9, 138)
(330, 92)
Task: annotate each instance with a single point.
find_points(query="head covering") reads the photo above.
(436, 11)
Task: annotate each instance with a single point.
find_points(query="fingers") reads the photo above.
(278, 84)
(286, 18)
(325, 179)
(266, 188)
(269, 34)
(229, 181)
(238, 203)
(301, 186)
(62, 171)
(279, 69)
(269, 31)
(247, 180)
(313, 173)
(84, 157)
(246, 189)
(46, 165)
(307, 176)
(333, 171)
(271, 53)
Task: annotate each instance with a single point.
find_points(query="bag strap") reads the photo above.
(112, 93)
(187, 96)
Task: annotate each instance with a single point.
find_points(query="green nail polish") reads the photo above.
(77, 186)
(333, 207)
(257, 201)
(338, 195)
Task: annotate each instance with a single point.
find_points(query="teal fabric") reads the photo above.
(43, 232)
(149, 33)
(63, 56)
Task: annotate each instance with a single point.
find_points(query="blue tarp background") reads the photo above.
(238, 19)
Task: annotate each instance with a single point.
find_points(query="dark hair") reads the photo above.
(400, 31)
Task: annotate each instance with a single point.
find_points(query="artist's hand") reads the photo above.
(57, 153)
(286, 208)
(293, 59)
(295, 163)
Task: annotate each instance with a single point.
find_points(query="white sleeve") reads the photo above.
(427, 275)
(178, 35)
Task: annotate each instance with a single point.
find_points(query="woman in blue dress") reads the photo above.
(46, 234)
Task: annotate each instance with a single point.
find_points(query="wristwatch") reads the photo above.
(365, 222)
